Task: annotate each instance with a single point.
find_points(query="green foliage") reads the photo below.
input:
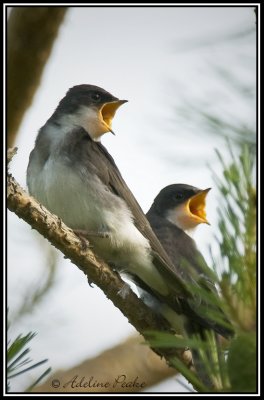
(213, 360)
(167, 340)
(242, 364)
(237, 242)
(18, 361)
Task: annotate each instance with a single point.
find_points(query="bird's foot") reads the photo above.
(84, 242)
(90, 282)
(186, 357)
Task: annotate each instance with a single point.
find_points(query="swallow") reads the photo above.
(72, 174)
(177, 210)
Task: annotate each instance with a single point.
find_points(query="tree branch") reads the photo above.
(31, 34)
(96, 270)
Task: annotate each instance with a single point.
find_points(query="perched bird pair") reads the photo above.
(71, 173)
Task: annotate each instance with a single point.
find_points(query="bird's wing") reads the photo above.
(114, 180)
(191, 266)
(181, 248)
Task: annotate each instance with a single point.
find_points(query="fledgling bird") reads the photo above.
(177, 209)
(71, 173)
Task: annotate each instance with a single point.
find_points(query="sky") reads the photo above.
(161, 60)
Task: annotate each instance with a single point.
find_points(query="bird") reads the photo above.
(73, 175)
(176, 211)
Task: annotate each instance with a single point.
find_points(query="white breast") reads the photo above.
(82, 201)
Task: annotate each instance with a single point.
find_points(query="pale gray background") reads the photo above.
(155, 58)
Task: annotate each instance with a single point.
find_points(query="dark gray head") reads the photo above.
(84, 95)
(181, 204)
(90, 107)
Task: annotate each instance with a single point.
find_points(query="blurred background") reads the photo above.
(189, 74)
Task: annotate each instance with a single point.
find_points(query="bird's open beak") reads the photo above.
(108, 111)
(196, 206)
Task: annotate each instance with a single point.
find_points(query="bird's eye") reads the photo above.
(178, 196)
(95, 96)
